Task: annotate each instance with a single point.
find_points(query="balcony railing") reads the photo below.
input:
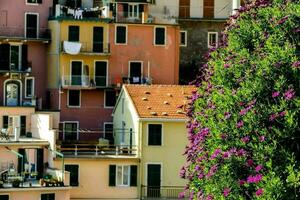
(87, 82)
(90, 48)
(161, 192)
(7, 32)
(77, 150)
(24, 68)
(129, 17)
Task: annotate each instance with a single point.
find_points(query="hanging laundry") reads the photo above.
(72, 48)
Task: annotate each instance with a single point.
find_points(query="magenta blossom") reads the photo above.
(215, 154)
(282, 20)
(181, 195)
(273, 117)
(226, 65)
(240, 124)
(242, 182)
(296, 64)
(250, 162)
(290, 94)
(246, 139)
(275, 94)
(258, 168)
(262, 138)
(226, 192)
(227, 115)
(254, 179)
(259, 192)
(282, 114)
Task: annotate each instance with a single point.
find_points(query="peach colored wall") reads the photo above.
(91, 114)
(140, 47)
(17, 111)
(35, 194)
(94, 176)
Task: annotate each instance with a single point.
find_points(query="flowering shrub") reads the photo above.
(243, 131)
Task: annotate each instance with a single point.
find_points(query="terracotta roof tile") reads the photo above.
(160, 101)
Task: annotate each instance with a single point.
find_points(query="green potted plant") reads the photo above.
(16, 182)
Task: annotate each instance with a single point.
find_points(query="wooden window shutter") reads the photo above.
(112, 175)
(133, 175)
(23, 125)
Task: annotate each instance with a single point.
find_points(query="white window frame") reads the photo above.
(32, 89)
(136, 61)
(162, 135)
(69, 122)
(133, 15)
(208, 39)
(4, 89)
(154, 34)
(121, 25)
(122, 178)
(70, 106)
(185, 38)
(31, 4)
(105, 106)
(16, 44)
(106, 71)
(37, 21)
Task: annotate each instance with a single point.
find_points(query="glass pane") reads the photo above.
(119, 175)
(14, 57)
(126, 175)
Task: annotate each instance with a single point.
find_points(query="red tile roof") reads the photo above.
(160, 101)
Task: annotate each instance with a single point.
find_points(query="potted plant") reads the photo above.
(16, 182)
(1, 184)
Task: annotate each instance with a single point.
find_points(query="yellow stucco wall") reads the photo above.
(35, 193)
(94, 179)
(169, 155)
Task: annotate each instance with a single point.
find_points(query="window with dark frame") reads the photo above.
(34, 1)
(121, 37)
(160, 36)
(73, 34)
(110, 98)
(183, 38)
(74, 98)
(212, 39)
(50, 196)
(123, 175)
(74, 174)
(29, 90)
(4, 197)
(155, 134)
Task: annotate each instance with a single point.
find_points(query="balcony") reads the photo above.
(86, 48)
(137, 80)
(25, 68)
(87, 82)
(161, 192)
(29, 34)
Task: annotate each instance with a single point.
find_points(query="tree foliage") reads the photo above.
(244, 128)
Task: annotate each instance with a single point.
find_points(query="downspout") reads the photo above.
(58, 68)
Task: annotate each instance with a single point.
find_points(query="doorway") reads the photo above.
(153, 180)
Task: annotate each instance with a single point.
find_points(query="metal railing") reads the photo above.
(24, 68)
(75, 150)
(25, 33)
(92, 47)
(161, 192)
(84, 81)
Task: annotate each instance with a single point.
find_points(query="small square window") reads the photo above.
(74, 98)
(50, 196)
(183, 38)
(160, 36)
(155, 134)
(121, 35)
(212, 39)
(34, 1)
(110, 98)
(123, 175)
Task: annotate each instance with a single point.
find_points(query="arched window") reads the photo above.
(12, 93)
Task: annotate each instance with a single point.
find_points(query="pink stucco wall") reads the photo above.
(16, 12)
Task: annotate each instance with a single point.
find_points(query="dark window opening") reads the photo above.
(31, 25)
(121, 35)
(48, 196)
(183, 41)
(4, 197)
(100, 73)
(98, 39)
(155, 134)
(110, 98)
(74, 98)
(70, 131)
(160, 36)
(73, 34)
(73, 169)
